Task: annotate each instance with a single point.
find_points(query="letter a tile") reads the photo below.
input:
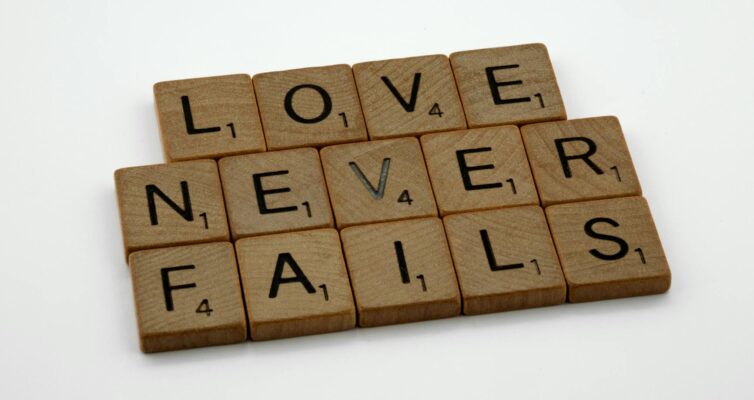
(609, 249)
(401, 272)
(505, 260)
(580, 159)
(377, 181)
(295, 284)
(187, 297)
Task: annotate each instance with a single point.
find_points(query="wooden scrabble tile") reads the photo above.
(295, 284)
(507, 85)
(273, 192)
(609, 249)
(377, 181)
(580, 159)
(409, 96)
(170, 204)
(187, 297)
(208, 117)
(505, 260)
(309, 107)
(401, 272)
(479, 169)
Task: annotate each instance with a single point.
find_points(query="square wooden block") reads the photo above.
(309, 107)
(296, 284)
(377, 181)
(479, 169)
(187, 297)
(505, 260)
(274, 192)
(507, 85)
(609, 249)
(170, 204)
(580, 159)
(409, 96)
(401, 272)
(208, 117)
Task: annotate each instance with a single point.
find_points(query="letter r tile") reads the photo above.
(379, 181)
(579, 160)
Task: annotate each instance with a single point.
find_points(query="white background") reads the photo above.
(76, 104)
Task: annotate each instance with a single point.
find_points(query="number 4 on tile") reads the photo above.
(204, 308)
(405, 197)
(435, 110)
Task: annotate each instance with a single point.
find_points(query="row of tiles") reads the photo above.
(313, 107)
(374, 181)
(319, 281)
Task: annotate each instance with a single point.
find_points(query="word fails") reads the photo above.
(319, 281)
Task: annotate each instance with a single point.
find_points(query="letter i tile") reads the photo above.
(401, 272)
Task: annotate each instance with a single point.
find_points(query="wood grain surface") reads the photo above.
(319, 300)
(507, 85)
(580, 159)
(208, 117)
(409, 96)
(187, 296)
(401, 272)
(354, 173)
(609, 249)
(479, 169)
(148, 220)
(279, 191)
(516, 268)
(324, 99)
